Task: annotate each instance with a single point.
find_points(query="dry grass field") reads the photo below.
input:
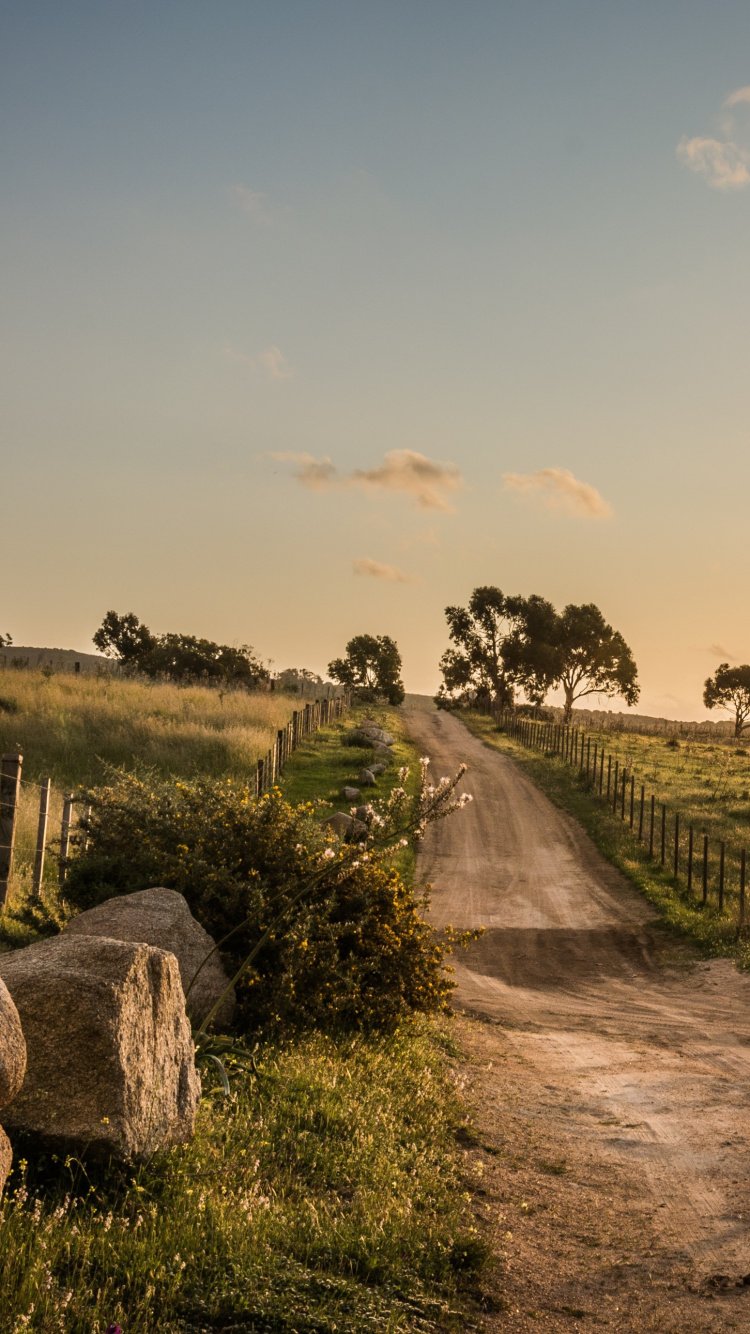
(71, 728)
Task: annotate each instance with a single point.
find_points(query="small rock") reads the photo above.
(161, 917)
(351, 793)
(378, 769)
(381, 748)
(362, 813)
(110, 1061)
(366, 778)
(340, 824)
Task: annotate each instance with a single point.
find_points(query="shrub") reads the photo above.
(338, 934)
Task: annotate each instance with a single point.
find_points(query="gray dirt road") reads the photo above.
(653, 1061)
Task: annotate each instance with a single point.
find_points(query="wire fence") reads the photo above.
(319, 713)
(697, 864)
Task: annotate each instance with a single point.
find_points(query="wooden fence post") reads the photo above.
(10, 790)
(690, 860)
(651, 835)
(624, 786)
(640, 817)
(663, 834)
(616, 786)
(601, 773)
(721, 876)
(742, 890)
(67, 817)
(705, 868)
(41, 837)
(609, 775)
(676, 844)
(632, 799)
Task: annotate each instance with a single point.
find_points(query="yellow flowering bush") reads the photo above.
(328, 933)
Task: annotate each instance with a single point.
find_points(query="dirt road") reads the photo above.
(631, 1049)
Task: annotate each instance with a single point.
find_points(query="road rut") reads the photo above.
(648, 1060)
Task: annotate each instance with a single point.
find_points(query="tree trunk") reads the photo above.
(568, 713)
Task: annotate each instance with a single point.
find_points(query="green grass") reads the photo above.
(326, 1195)
(324, 765)
(698, 780)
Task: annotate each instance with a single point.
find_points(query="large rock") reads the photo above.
(377, 734)
(351, 793)
(12, 1069)
(366, 778)
(110, 1062)
(161, 917)
(12, 1048)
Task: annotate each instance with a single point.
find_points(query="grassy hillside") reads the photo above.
(70, 728)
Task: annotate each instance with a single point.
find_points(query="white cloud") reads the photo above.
(375, 569)
(271, 360)
(316, 474)
(725, 165)
(558, 489)
(404, 470)
(739, 96)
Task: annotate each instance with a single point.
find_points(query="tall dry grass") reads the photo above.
(71, 728)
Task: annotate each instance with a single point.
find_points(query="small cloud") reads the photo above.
(375, 569)
(725, 165)
(316, 474)
(424, 479)
(416, 475)
(271, 360)
(558, 489)
(718, 651)
(274, 361)
(739, 96)
(253, 203)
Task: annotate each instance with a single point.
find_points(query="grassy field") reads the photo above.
(324, 765)
(708, 785)
(70, 728)
(327, 1194)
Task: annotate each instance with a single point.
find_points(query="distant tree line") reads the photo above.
(177, 657)
(505, 643)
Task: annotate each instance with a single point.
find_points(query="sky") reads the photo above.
(315, 316)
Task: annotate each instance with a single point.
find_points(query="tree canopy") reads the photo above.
(729, 688)
(371, 667)
(177, 657)
(591, 658)
(501, 642)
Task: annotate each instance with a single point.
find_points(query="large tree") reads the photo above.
(592, 658)
(371, 667)
(124, 638)
(729, 688)
(500, 642)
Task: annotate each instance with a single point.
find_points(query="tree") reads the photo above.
(124, 637)
(177, 657)
(729, 688)
(592, 658)
(6, 641)
(372, 667)
(501, 642)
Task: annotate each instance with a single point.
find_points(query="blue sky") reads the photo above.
(510, 238)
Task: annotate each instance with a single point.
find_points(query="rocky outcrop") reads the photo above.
(161, 917)
(110, 1063)
(12, 1069)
